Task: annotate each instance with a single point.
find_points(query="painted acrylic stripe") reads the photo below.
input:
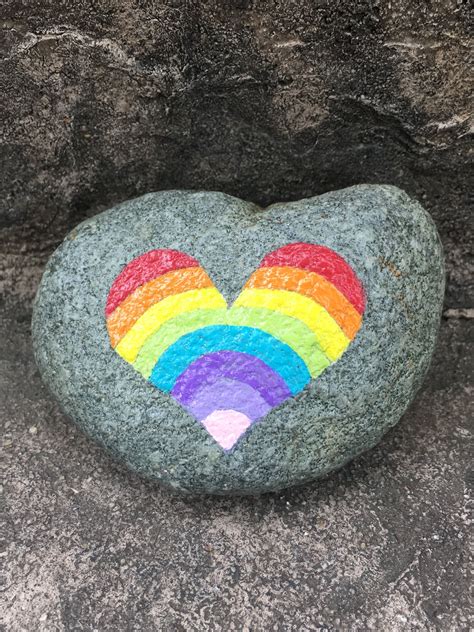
(313, 286)
(233, 365)
(277, 355)
(226, 393)
(226, 427)
(143, 269)
(163, 311)
(173, 330)
(136, 303)
(330, 336)
(289, 330)
(323, 261)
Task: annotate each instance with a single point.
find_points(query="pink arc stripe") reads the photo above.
(226, 427)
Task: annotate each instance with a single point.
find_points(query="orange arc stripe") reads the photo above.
(313, 286)
(129, 311)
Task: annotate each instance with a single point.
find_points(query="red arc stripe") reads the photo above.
(323, 261)
(144, 269)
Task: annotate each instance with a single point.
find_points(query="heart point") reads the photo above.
(226, 426)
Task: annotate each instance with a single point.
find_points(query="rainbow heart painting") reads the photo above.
(230, 366)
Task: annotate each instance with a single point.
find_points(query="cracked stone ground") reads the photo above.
(380, 545)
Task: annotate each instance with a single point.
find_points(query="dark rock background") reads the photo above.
(270, 100)
(103, 100)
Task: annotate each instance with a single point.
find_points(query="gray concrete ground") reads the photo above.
(380, 545)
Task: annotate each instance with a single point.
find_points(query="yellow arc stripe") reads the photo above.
(159, 313)
(330, 336)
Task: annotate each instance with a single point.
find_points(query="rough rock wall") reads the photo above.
(270, 100)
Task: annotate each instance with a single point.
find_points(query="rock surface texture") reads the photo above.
(142, 328)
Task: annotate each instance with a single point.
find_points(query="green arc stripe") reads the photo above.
(285, 328)
(289, 330)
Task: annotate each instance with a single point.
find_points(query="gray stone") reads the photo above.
(388, 239)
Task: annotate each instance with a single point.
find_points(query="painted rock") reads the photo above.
(220, 348)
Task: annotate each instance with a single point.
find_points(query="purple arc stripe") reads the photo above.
(225, 394)
(233, 365)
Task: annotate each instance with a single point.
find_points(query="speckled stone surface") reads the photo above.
(390, 242)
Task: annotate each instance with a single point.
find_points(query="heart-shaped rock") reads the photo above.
(334, 307)
(228, 368)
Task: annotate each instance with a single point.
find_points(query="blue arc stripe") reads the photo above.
(276, 354)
